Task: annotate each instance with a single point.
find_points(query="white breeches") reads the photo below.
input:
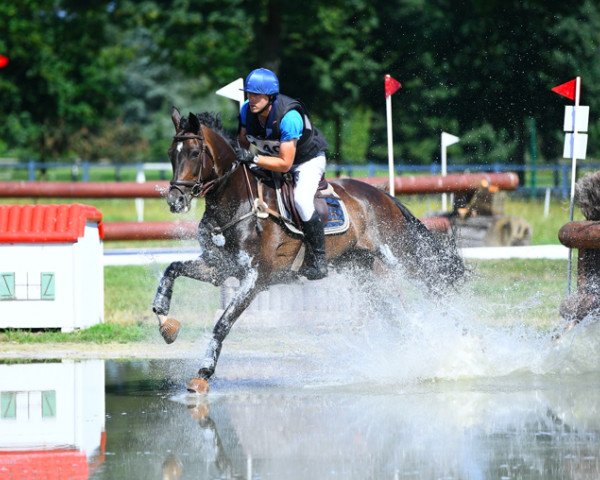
(307, 176)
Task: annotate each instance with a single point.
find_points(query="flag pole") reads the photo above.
(388, 112)
(391, 85)
(444, 172)
(573, 154)
(573, 175)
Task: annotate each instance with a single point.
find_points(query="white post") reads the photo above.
(139, 202)
(573, 173)
(388, 112)
(547, 202)
(444, 173)
(446, 140)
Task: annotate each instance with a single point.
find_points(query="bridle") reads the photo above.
(198, 187)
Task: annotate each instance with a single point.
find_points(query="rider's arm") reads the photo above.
(291, 127)
(282, 163)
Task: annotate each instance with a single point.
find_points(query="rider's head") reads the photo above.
(262, 86)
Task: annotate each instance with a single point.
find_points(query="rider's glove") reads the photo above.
(248, 158)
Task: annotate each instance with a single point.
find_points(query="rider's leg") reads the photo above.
(307, 176)
(315, 238)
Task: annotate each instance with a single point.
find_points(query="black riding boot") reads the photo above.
(316, 263)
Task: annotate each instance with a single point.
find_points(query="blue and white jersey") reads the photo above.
(291, 124)
(287, 120)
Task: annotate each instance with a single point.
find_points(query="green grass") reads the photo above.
(101, 333)
(518, 291)
(129, 292)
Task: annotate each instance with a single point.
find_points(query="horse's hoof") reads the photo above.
(170, 329)
(198, 385)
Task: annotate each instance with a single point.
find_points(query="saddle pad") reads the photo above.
(338, 219)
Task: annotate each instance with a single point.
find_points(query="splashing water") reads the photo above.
(384, 330)
(393, 339)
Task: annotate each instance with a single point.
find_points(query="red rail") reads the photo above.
(425, 184)
(150, 230)
(463, 182)
(82, 189)
(185, 230)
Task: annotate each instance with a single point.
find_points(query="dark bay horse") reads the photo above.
(239, 240)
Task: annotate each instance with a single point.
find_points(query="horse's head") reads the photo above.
(198, 156)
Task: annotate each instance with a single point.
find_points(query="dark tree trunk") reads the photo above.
(269, 40)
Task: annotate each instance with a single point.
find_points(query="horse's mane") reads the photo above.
(211, 120)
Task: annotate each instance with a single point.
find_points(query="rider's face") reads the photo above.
(257, 101)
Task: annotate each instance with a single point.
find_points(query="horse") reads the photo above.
(239, 239)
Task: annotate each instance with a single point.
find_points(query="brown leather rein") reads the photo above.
(200, 187)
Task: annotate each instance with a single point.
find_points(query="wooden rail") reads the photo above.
(424, 184)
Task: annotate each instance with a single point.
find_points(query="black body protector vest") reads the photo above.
(267, 139)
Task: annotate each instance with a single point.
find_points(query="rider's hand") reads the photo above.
(248, 158)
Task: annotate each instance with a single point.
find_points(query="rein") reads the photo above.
(200, 188)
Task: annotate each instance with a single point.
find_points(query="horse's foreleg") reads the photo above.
(249, 287)
(196, 269)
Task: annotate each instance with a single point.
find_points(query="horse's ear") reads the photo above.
(194, 124)
(175, 117)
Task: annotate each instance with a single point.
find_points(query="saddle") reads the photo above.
(328, 204)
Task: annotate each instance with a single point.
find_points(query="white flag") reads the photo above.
(575, 146)
(233, 90)
(449, 139)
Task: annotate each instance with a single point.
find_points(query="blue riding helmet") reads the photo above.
(262, 81)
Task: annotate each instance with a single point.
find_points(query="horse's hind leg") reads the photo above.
(196, 269)
(248, 290)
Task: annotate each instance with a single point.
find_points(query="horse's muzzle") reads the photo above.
(178, 201)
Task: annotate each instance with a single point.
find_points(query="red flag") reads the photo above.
(391, 85)
(3, 61)
(566, 89)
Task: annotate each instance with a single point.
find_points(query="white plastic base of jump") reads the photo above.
(548, 252)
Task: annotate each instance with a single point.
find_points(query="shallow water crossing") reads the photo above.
(122, 419)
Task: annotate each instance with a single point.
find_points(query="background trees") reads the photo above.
(98, 80)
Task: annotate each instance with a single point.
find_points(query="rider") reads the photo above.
(281, 137)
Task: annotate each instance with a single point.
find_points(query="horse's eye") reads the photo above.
(195, 153)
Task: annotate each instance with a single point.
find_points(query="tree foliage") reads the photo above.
(95, 79)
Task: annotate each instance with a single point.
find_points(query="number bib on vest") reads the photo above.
(265, 147)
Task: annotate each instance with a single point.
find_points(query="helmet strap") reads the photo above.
(269, 103)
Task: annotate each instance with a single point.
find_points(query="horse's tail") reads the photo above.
(431, 257)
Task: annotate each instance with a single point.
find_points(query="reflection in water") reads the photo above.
(528, 427)
(51, 419)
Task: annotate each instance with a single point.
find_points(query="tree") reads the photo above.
(61, 74)
(340, 66)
